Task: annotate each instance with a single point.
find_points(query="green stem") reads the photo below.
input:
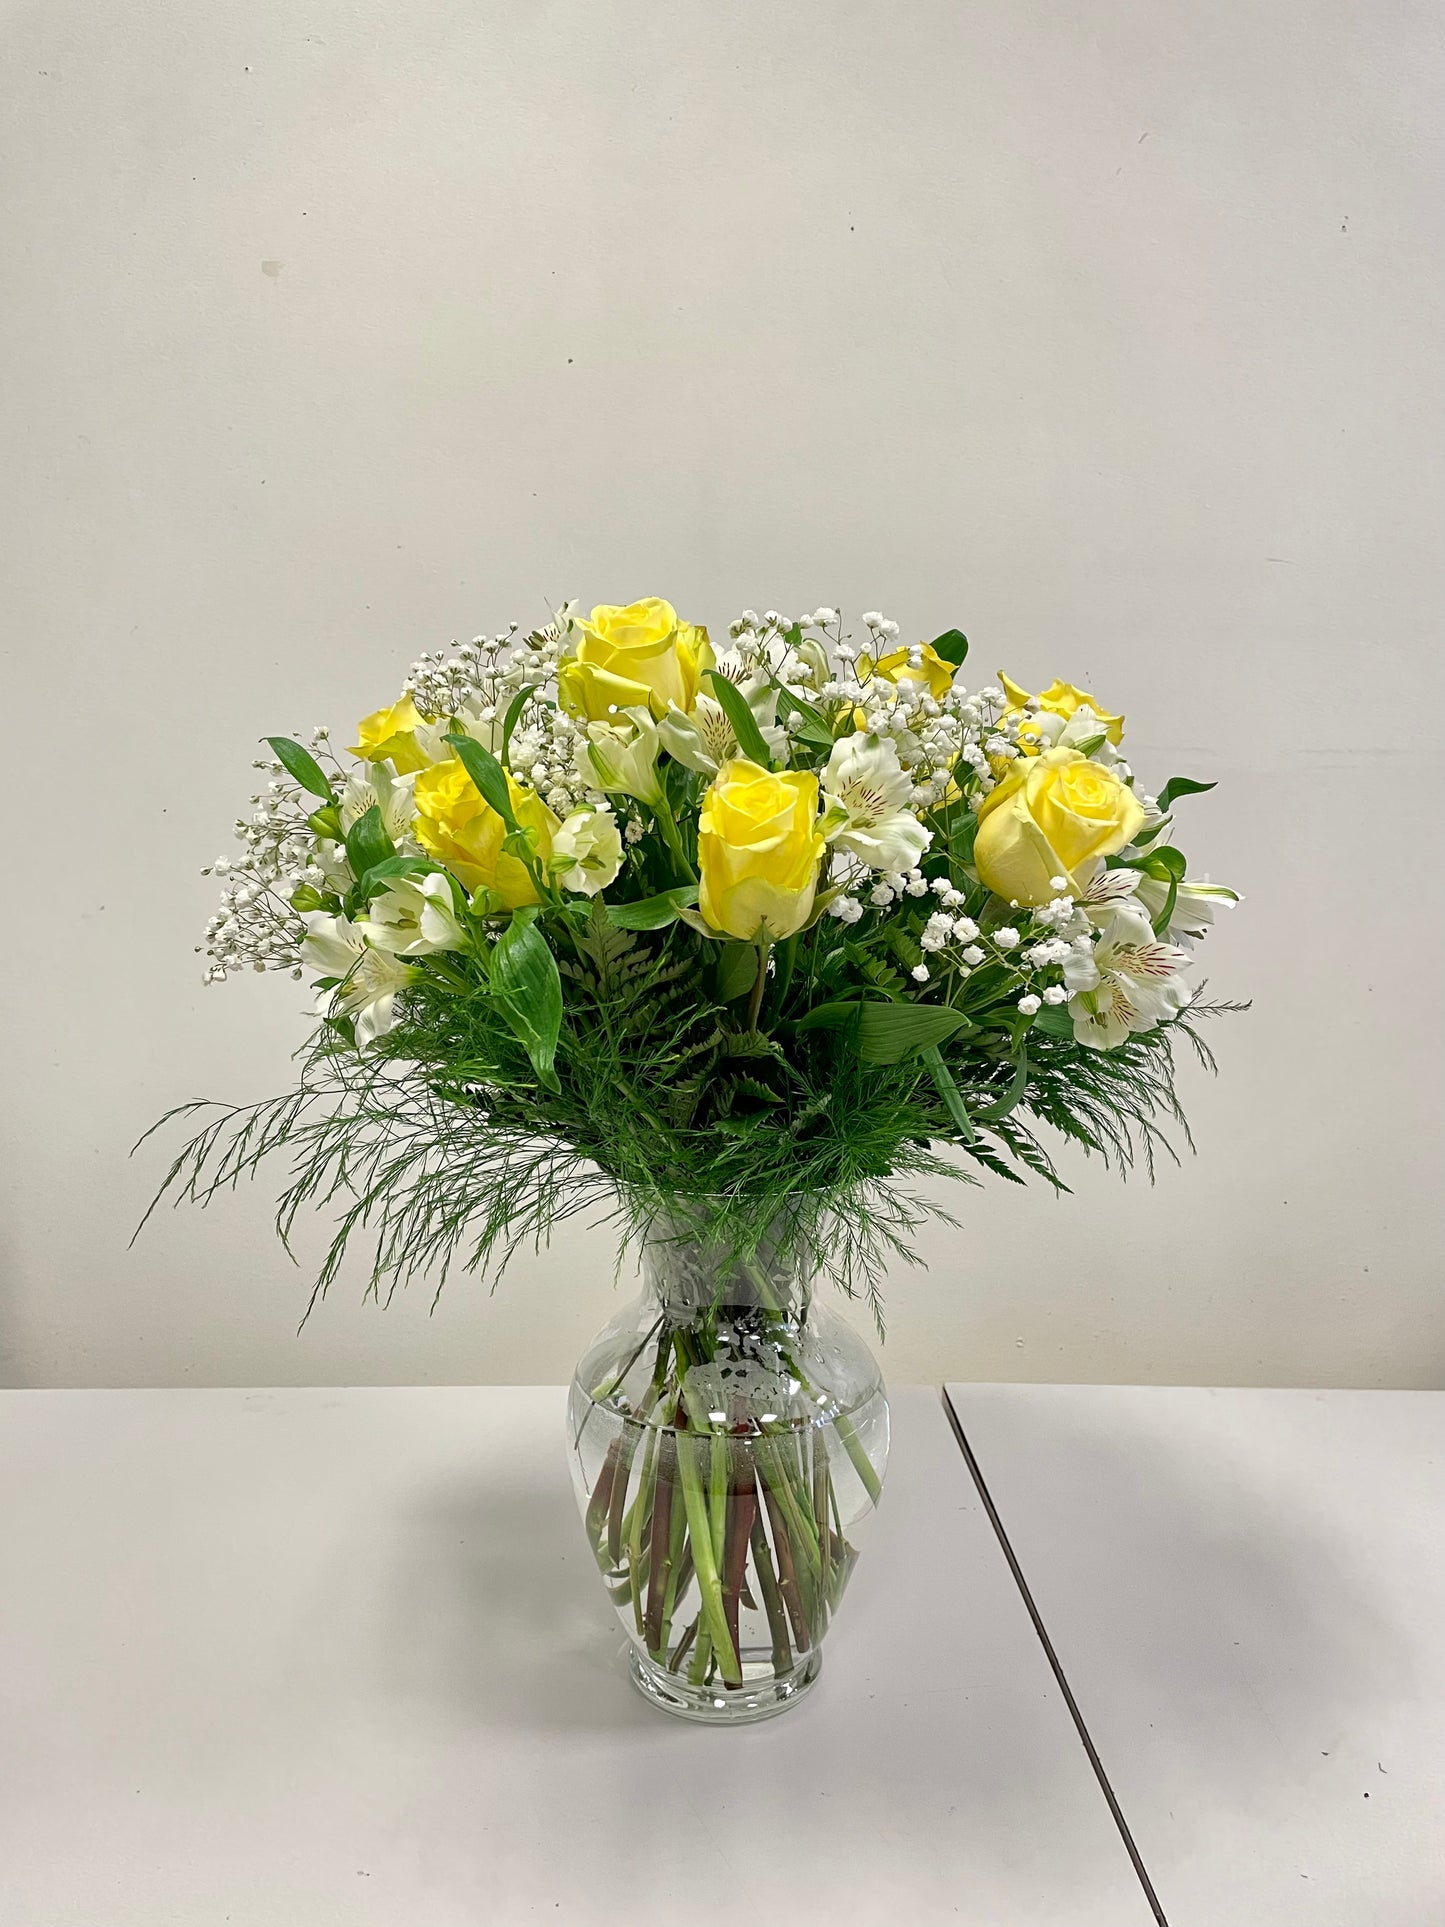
(679, 1652)
(641, 1505)
(821, 1483)
(697, 1672)
(664, 1494)
(717, 1497)
(755, 1002)
(709, 1583)
(678, 1557)
(787, 1573)
(667, 822)
(772, 1598)
(862, 1464)
(742, 1509)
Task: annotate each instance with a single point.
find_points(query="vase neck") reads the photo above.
(689, 1275)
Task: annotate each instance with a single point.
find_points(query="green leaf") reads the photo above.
(890, 1032)
(949, 1092)
(398, 866)
(528, 992)
(952, 645)
(653, 913)
(1166, 909)
(367, 843)
(509, 721)
(1054, 1020)
(1165, 866)
(374, 879)
(832, 1016)
(1178, 786)
(745, 724)
(302, 765)
(737, 970)
(488, 775)
(812, 724)
(1001, 1106)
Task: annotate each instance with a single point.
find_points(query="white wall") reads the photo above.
(1109, 332)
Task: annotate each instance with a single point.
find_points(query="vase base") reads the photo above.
(756, 1699)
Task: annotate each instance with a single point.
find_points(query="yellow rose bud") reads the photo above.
(759, 849)
(1061, 699)
(934, 672)
(389, 736)
(1054, 815)
(633, 658)
(462, 830)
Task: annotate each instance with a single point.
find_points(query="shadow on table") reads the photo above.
(497, 1612)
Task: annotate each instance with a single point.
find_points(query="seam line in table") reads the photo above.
(1034, 1614)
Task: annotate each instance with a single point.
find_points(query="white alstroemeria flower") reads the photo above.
(1194, 906)
(1128, 982)
(593, 843)
(379, 784)
(703, 739)
(414, 917)
(1106, 890)
(370, 978)
(621, 757)
(865, 790)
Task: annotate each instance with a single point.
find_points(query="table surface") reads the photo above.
(1246, 1593)
(294, 1658)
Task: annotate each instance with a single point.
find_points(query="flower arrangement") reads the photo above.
(732, 944)
(601, 913)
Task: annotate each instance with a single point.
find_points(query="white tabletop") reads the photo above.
(1246, 1591)
(286, 1659)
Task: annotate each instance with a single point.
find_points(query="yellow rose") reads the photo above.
(463, 831)
(758, 850)
(934, 672)
(389, 735)
(633, 658)
(1054, 815)
(1060, 699)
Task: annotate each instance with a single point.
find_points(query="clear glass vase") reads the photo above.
(729, 1433)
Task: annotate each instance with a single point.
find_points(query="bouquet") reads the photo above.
(745, 939)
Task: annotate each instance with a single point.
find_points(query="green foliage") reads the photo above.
(302, 765)
(614, 1079)
(952, 645)
(1178, 786)
(527, 991)
(653, 913)
(887, 1033)
(367, 843)
(488, 775)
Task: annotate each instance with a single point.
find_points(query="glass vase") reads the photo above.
(729, 1432)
